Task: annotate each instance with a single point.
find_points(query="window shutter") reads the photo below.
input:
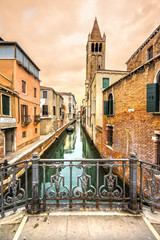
(106, 108)
(153, 97)
(5, 103)
(105, 82)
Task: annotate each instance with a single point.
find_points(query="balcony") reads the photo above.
(26, 119)
(36, 119)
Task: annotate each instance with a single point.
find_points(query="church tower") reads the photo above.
(95, 53)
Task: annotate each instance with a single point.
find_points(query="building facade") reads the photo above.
(21, 75)
(131, 120)
(52, 110)
(101, 80)
(70, 105)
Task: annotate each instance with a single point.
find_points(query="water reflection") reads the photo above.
(75, 145)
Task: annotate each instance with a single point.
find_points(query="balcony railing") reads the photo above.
(139, 186)
(26, 119)
(36, 119)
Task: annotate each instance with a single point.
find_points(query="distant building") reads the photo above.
(52, 110)
(70, 105)
(131, 120)
(20, 97)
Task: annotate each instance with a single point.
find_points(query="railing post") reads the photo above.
(133, 207)
(35, 204)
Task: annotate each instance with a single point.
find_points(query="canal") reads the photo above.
(70, 145)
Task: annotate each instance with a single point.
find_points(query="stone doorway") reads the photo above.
(9, 141)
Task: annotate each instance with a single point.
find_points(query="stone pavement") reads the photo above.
(81, 225)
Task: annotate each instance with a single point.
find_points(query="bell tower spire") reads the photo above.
(95, 53)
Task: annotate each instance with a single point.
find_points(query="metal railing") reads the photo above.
(139, 184)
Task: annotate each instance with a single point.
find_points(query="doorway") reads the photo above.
(9, 140)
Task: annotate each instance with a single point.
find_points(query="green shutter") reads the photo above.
(105, 82)
(106, 108)
(5, 105)
(153, 97)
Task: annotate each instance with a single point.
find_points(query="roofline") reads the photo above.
(15, 43)
(145, 42)
(106, 71)
(49, 88)
(9, 89)
(130, 73)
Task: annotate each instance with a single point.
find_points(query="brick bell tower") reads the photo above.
(95, 53)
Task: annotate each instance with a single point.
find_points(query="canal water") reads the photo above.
(71, 145)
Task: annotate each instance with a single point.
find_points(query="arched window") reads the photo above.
(153, 94)
(109, 106)
(100, 47)
(92, 48)
(96, 49)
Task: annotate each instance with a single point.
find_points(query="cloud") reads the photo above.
(54, 34)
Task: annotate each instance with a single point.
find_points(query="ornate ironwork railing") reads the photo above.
(139, 184)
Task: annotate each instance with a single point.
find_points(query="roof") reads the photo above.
(107, 71)
(111, 71)
(144, 43)
(47, 88)
(8, 89)
(96, 34)
(2, 42)
(133, 71)
(65, 93)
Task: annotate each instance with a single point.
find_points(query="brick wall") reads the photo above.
(133, 127)
(141, 55)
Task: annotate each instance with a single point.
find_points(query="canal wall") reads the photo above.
(41, 146)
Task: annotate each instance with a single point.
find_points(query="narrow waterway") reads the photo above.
(71, 145)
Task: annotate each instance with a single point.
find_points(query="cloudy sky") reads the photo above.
(54, 34)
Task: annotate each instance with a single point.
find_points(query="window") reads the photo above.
(96, 49)
(110, 135)
(24, 87)
(60, 111)
(5, 105)
(35, 130)
(54, 110)
(105, 82)
(100, 47)
(45, 110)
(24, 134)
(25, 118)
(153, 94)
(35, 92)
(109, 105)
(69, 109)
(45, 94)
(150, 53)
(92, 47)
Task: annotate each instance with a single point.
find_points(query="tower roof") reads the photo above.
(96, 34)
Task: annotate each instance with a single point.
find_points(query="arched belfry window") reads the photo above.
(100, 47)
(96, 49)
(153, 94)
(109, 106)
(92, 47)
